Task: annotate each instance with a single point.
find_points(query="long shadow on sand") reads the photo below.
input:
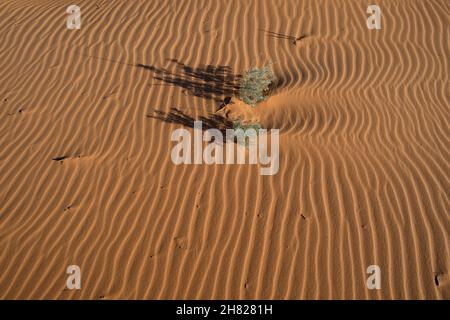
(292, 39)
(209, 82)
(175, 115)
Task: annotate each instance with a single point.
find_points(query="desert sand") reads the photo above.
(86, 176)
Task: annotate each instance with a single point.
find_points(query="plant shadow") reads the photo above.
(216, 82)
(212, 121)
(290, 38)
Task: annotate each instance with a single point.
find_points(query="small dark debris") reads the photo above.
(226, 101)
(298, 39)
(13, 113)
(60, 158)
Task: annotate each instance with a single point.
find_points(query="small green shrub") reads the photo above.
(239, 125)
(249, 130)
(255, 84)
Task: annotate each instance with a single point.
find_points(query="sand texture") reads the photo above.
(86, 176)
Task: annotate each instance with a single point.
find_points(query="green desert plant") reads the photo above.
(249, 131)
(239, 125)
(255, 84)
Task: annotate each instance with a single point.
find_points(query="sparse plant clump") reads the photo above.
(248, 131)
(255, 84)
(239, 125)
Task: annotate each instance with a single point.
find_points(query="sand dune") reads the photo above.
(86, 176)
